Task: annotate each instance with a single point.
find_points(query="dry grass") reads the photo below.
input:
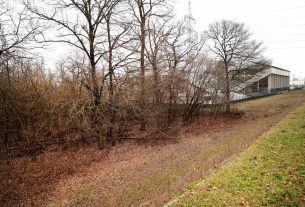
(132, 175)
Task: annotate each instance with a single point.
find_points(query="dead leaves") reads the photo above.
(244, 202)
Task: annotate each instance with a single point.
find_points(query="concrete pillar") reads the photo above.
(269, 83)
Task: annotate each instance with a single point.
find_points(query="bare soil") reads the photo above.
(139, 174)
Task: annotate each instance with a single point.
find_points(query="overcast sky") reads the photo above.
(280, 24)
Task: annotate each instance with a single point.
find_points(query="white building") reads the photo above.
(269, 81)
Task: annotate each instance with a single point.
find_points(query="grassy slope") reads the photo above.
(271, 172)
(169, 170)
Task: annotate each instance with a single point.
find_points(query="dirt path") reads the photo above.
(145, 175)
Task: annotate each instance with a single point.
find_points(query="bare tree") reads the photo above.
(180, 54)
(118, 55)
(198, 89)
(231, 42)
(80, 25)
(158, 31)
(175, 54)
(17, 30)
(142, 10)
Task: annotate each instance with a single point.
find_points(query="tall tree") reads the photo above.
(232, 44)
(179, 60)
(142, 10)
(119, 52)
(198, 87)
(158, 32)
(80, 24)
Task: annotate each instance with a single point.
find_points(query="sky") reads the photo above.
(280, 24)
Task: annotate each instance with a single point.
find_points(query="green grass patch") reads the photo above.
(270, 172)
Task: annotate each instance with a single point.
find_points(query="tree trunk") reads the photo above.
(97, 104)
(95, 89)
(172, 95)
(111, 128)
(227, 98)
(156, 81)
(142, 74)
(96, 122)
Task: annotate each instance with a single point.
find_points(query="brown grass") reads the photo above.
(143, 174)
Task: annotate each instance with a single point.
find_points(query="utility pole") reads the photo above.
(190, 21)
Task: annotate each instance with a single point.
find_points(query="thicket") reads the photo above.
(136, 70)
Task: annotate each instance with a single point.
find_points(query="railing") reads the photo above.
(252, 80)
(260, 93)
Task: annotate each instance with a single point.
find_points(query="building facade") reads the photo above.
(269, 81)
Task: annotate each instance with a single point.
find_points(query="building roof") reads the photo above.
(279, 68)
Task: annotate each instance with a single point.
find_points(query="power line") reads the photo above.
(283, 26)
(279, 19)
(284, 48)
(285, 41)
(278, 10)
(284, 35)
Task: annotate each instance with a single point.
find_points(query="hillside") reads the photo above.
(147, 174)
(269, 173)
